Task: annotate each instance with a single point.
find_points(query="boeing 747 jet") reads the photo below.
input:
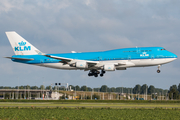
(94, 62)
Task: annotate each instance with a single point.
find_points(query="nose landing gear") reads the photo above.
(158, 71)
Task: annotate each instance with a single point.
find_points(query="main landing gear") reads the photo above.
(96, 72)
(158, 71)
(102, 73)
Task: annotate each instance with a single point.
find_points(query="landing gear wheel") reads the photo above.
(158, 71)
(101, 75)
(95, 75)
(97, 72)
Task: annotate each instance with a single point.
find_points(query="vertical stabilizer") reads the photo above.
(20, 45)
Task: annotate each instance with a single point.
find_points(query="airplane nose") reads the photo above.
(175, 56)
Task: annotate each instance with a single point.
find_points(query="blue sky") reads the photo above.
(62, 26)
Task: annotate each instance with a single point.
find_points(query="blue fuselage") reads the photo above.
(110, 55)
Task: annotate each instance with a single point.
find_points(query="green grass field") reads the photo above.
(89, 105)
(89, 110)
(88, 114)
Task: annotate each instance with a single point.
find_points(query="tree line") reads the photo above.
(138, 89)
(173, 92)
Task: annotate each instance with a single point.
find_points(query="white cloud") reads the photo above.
(54, 5)
(170, 18)
(149, 1)
(87, 2)
(117, 41)
(90, 25)
(8, 5)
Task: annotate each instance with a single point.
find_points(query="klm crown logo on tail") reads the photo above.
(22, 43)
(22, 47)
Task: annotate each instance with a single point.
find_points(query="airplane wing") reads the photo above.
(63, 60)
(66, 60)
(122, 63)
(20, 58)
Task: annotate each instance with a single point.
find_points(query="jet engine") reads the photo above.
(109, 67)
(80, 65)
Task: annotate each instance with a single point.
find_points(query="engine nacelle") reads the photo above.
(81, 65)
(109, 67)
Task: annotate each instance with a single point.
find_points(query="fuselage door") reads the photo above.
(152, 56)
(138, 50)
(100, 58)
(41, 61)
(129, 57)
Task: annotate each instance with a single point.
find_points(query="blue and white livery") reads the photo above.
(95, 62)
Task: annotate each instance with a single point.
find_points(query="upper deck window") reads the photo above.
(146, 50)
(128, 51)
(163, 49)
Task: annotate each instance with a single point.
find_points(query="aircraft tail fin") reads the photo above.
(20, 45)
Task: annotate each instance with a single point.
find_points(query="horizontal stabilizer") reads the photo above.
(20, 58)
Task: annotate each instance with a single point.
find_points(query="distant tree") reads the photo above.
(84, 88)
(7, 87)
(27, 87)
(89, 89)
(96, 89)
(103, 88)
(77, 88)
(113, 89)
(20, 87)
(143, 89)
(42, 87)
(48, 87)
(118, 89)
(136, 89)
(34, 87)
(179, 87)
(151, 89)
(173, 86)
(158, 90)
(173, 91)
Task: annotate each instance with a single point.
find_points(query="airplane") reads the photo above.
(94, 62)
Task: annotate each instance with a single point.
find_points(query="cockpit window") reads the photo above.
(163, 49)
